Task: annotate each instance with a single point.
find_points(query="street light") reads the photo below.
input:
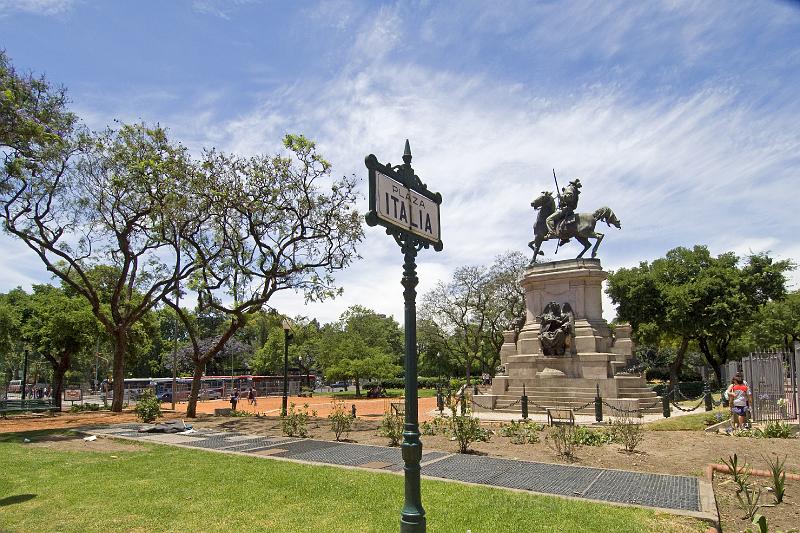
(287, 336)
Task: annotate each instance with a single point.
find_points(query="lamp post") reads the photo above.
(287, 336)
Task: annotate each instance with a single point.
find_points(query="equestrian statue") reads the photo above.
(564, 223)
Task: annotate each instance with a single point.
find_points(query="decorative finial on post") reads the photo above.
(407, 154)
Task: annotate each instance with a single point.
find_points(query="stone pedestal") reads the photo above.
(593, 361)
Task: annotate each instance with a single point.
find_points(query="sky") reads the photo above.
(680, 116)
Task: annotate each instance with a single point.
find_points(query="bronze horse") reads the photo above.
(582, 229)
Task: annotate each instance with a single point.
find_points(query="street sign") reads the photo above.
(399, 200)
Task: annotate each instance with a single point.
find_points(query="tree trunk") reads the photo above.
(191, 409)
(120, 349)
(712, 362)
(358, 387)
(58, 382)
(675, 366)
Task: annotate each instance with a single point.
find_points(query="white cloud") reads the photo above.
(36, 7)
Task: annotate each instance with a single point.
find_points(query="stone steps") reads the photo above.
(510, 403)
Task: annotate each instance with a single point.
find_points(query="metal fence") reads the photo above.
(772, 378)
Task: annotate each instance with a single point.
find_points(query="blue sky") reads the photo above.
(681, 116)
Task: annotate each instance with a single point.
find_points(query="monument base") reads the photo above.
(593, 363)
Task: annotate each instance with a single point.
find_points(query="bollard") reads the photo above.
(440, 401)
(598, 406)
(524, 403)
(665, 403)
(353, 410)
(707, 396)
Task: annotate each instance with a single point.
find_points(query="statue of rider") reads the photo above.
(567, 204)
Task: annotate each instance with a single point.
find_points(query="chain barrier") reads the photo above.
(620, 409)
(679, 408)
(496, 407)
(677, 392)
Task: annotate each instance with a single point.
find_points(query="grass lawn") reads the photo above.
(690, 422)
(162, 488)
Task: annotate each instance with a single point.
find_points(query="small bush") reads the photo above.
(295, 423)
(392, 427)
(78, 408)
(627, 432)
(147, 407)
(467, 430)
(562, 440)
(582, 436)
(715, 418)
(773, 430)
(525, 432)
(778, 475)
(439, 425)
(341, 420)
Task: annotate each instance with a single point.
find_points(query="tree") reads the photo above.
(115, 198)
(363, 344)
(778, 323)
(272, 226)
(691, 296)
(471, 311)
(59, 328)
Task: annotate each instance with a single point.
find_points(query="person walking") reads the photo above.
(234, 399)
(739, 397)
(251, 396)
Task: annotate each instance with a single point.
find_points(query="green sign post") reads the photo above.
(399, 201)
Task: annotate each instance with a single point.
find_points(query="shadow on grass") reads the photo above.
(39, 435)
(17, 498)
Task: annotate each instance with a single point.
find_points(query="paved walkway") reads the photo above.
(676, 494)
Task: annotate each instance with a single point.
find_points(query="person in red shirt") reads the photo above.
(739, 397)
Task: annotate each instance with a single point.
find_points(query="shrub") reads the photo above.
(741, 476)
(627, 432)
(147, 407)
(773, 430)
(467, 430)
(777, 430)
(392, 427)
(582, 436)
(526, 432)
(778, 477)
(436, 426)
(562, 440)
(295, 423)
(714, 418)
(341, 420)
(77, 408)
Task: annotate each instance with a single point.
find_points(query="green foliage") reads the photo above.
(147, 407)
(438, 425)
(295, 423)
(627, 432)
(341, 419)
(561, 439)
(740, 474)
(363, 344)
(467, 430)
(83, 407)
(711, 418)
(523, 432)
(392, 427)
(749, 498)
(772, 430)
(778, 475)
(690, 294)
